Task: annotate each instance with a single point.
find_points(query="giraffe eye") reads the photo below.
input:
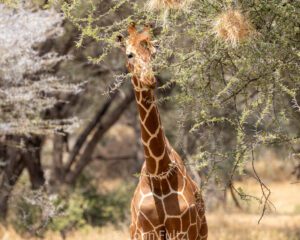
(130, 55)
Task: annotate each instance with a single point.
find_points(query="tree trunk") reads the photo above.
(101, 129)
(87, 131)
(12, 166)
(14, 159)
(32, 158)
(57, 172)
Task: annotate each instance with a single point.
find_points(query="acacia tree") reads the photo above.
(235, 65)
(28, 83)
(29, 89)
(235, 91)
(32, 69)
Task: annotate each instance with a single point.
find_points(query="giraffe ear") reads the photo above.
(120, 42)
(132, 28)
(147, 28)
(146, 34)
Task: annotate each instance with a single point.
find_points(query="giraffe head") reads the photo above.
(139, 51)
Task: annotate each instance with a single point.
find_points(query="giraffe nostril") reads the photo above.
(130, 55)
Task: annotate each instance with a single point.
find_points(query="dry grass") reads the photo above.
(233, 27)
(167, 4)
(244, 227)
(284, 195)
(224, 224)
(106, 233)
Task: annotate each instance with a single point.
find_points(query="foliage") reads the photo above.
(38, 211)
(28, 83)
(234, 98)
(104, 207)
(93, 208)
(10, 3)
(112, 207)
(73, 210)
(167, 4)
(34, 210)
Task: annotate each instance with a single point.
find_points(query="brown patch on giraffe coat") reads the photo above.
(156, 187)
(145, 224)
(160, 212)
(146, 102)
(155, 215)
(134, 81)
(185, 220)
(193, 232)
(152, 121)
(203, 228)
(137, 96)
(175, 204)
(164, 163)
(157, 144)
(165, 186)
(193, 214)
(142, 112)
(145, 135)
(147, 96)
(173, 223)
(177, 182)
(150, 163)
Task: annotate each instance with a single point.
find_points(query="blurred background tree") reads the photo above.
(228, 76)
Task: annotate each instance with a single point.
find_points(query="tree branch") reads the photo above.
(102, 128)
(89, 128)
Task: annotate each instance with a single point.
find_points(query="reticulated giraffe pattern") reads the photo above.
(166, 204)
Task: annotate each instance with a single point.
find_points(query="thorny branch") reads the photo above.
(266, 192)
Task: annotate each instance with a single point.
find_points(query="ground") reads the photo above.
(224, 224)
(282, 222)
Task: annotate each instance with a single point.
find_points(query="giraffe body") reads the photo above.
(170, 207)
(167, 204)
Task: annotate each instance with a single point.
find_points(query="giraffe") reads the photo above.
(166, 204)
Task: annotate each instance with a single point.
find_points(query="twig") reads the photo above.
(264, 189)
(124, 157)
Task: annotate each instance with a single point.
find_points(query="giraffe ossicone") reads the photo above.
(167, 204)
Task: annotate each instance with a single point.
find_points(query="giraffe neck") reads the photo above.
(152, 134)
